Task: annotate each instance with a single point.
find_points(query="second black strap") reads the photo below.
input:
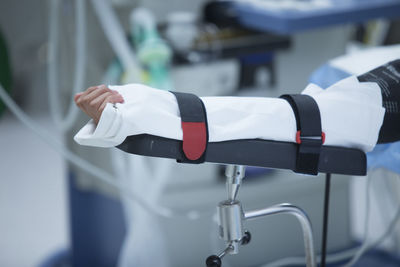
(309, 134)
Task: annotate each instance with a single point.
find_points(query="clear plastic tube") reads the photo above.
(116, 37)
(90, 168)
(52, 75)
(64, 123)
(74, 159)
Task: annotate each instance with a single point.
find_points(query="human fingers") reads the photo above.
(93, 95)
(92, 108)
(88, 91)
(93, 100)
(83, 99)
(92, 88)
(96, 103)
(95, 112)
(77, 96)
(113, 98)
(79, 102)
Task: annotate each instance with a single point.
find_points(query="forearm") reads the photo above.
(351, 116)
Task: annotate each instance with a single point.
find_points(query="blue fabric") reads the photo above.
(58, 258)
(97, 227)
(384, 155)
(326, 75)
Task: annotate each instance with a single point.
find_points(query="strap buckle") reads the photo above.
(317, 138)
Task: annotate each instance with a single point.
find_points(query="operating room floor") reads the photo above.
(33, 201)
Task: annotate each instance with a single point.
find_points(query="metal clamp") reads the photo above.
(231, 217)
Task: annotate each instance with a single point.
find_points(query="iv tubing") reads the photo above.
(116, 36)
(65, 123)
(88, 167)
(58, 146)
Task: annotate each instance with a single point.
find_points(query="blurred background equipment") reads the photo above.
(106, 208)
(5, 69)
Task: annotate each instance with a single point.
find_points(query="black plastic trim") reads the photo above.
(251, 152)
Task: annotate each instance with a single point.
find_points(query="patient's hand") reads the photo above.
(94, 99)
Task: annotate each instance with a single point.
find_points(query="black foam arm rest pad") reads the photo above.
(251, 152)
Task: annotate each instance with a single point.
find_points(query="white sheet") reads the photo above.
(364, 60)
(351, 114)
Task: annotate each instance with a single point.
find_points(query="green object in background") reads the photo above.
(5, 70)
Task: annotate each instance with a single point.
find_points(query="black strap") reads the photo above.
(194, 126)
(309, 135)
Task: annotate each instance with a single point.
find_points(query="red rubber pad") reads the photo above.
(194, 139)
